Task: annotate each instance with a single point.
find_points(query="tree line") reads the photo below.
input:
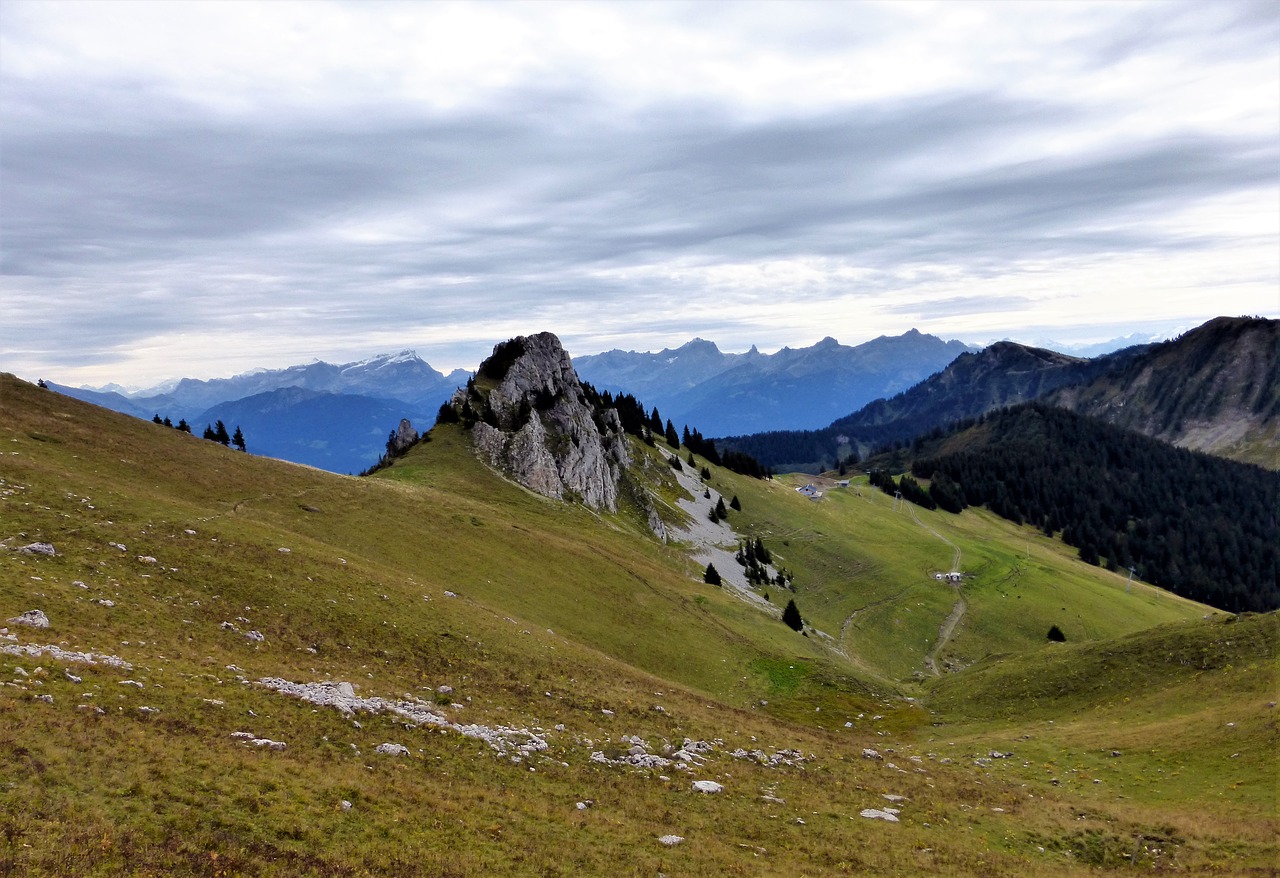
(213, 432)
(649, 426)
(645, 424)
(1200, 526)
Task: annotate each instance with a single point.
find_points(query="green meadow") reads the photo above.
(1147, 742)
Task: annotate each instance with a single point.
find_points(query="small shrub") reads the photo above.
(711, 576)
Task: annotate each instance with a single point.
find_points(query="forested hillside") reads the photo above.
(1197, 525)
(1216, 389)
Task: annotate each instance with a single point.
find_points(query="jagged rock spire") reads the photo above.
(535, 423)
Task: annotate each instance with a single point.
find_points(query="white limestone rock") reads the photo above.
(38, 549)
(547, 436)
(33, 618)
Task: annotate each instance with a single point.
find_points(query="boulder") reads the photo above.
(38, 549)
(34, 618)
(707, 786)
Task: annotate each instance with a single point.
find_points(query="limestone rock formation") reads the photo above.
(404, 437)
(532, 419)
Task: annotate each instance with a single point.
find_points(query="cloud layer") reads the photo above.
(201, 188)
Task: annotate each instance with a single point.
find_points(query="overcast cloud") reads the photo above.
(198, 189)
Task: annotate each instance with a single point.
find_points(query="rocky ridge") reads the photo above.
(531, 418)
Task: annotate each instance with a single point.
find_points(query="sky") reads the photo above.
(200, 189)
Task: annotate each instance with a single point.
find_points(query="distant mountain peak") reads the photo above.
(698, 345)
(380, 360)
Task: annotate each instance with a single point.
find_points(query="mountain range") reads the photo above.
(723, 394)
(332, 416)
(338, 417)
(1213, 388)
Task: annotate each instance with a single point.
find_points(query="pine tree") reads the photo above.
(721, 512)
(209, 433)
(1055, 634)
(156, 419)
(711, 576)
(762, 553)
(791, 616)
(673, 438)
(183, 426)
(167, 422)
(655, 422)
(734, 504)
(447, 414)
(220, 433)
(237, 439)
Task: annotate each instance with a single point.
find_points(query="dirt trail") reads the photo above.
(944, 634)
(957, 612)
(955, 559)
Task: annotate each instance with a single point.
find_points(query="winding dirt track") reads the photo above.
(957, 612)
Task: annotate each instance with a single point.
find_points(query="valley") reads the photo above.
(546, 680)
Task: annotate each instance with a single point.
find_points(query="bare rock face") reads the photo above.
(405, 436)
(534, 421)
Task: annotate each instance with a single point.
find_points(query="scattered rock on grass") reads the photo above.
(38, 549)
(707, 786)
(34, 618)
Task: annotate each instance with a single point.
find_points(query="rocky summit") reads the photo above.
(532, 419)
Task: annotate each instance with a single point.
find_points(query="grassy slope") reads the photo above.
(559, 614)
(867, 568)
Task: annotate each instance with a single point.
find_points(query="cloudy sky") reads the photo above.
(202, 188)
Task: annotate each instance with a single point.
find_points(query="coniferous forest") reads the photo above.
(1200, 526)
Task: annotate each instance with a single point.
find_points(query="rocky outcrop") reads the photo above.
(404, 438)
(532, 419)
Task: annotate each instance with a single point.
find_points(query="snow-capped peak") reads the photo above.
(381, 361)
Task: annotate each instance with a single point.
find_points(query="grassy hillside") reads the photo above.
(865, 568)
(209, 572)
